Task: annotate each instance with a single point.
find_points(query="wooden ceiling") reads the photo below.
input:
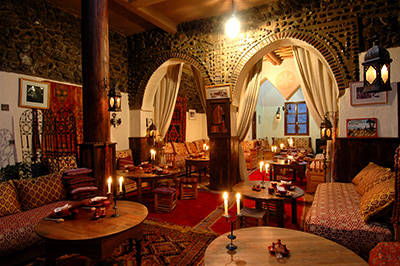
(134, 16)
(277, 56)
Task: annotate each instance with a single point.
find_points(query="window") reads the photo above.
(296, 118)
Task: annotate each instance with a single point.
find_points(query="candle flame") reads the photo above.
(238, 195)
(225, 196)
(109, 180)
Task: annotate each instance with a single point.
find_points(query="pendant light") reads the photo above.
(232, 27)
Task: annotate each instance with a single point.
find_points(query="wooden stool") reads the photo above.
(165, 199)
(257, 214)
(188, 188)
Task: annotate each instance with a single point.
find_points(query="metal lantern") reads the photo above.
(377, 70)
(114, 100)
(326, 129)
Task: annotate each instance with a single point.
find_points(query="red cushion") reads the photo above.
(385, 253)
(125, 162)
(164, 190)
(77, 171)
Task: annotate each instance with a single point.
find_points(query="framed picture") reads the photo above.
(362, 128)
(192, 114)
(219, 91)
(34, 94)
(358, 97)
(218, 118)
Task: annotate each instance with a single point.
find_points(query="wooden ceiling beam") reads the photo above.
(151, 15)
(143, 3)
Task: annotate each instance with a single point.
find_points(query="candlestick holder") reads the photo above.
(231, 236)
(263, 182)
(115, 215)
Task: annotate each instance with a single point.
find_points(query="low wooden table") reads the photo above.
(95, 239)
(199, 163)
(252, 249)
(246, 190)
(299, 169)
(141, 176)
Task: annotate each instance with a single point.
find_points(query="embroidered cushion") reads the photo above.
(168, 148)
(302, 143)
(8, 199)
(180, 148)
(191, 147)
(278, 141)
(376, 202)
(124, 163)
(78, 172)
(199, 144)
(370, 176)
(35, 192)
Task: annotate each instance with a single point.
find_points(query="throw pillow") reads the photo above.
(126, 162)
(8, 199)
(375, 204)
(78, 171)
(36, 192)
(191, 147)
(370, 176)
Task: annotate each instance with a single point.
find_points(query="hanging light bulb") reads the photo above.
(232, 27)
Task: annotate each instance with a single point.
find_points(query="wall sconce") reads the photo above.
(278, 114)
(232, 27)
(377, 70)
(151, 131)
(114, 97)
(115, 121)
(326, 128)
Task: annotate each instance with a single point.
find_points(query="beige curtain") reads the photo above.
(246, 111)
(198, 79)
(165, 98)
(319, 88)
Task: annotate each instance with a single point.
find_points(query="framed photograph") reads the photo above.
(362, 128)
(192, 114)
(223, 91)
(358, 97)
(34, 94)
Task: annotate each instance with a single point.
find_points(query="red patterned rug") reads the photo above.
(177, 128)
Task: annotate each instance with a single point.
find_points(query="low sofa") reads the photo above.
(24, 203)
(355, 215)
(176, 152)
(252, 153)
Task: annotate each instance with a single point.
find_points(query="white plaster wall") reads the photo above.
(385, 113)
(196, 129)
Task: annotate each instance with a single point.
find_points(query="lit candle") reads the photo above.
(282, 146)
(121, 179)
(109, 184)
(152, 154)
(226, 203)
(267, 167)
(238, 202)
(261, 166)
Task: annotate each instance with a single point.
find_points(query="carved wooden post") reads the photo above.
(97, 152)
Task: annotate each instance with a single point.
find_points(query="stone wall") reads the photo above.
(39, 39)
(339, 29)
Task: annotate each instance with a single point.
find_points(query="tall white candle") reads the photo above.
(226, 203)
(109, 184)
(121, 179)
(261, 166)
(238, 203)
(267, 167)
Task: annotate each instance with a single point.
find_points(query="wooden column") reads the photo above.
(96, 151)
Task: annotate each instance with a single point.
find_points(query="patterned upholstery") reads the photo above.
(370, 176)
(377, 202)
(8, 199)
(191, 147)
(180, 148)
(302, 143)
(277, 142)
(199, 144)
(335, 214)
(168, 148)
(385, 254)
(248, 145)
(17, 230)
(36, 192)
(124, 159)
(60, 164)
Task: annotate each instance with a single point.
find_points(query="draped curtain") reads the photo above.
(165, 98)
(319, 88)
(246, 111)
(198, 79)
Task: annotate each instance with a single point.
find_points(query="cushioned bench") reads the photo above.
(355, 215)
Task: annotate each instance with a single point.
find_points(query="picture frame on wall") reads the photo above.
(357, 97)
(192, 114)
(362, 128)
(34, 94)
(218, 118)
(223, 91)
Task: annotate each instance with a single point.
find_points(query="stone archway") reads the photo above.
(273, 42)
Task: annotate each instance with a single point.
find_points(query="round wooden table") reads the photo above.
(246, 190)
(198, 163)
(141, 176)
(252, 249)
(95, 239)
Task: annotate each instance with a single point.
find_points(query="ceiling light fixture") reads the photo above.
(232, 27)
